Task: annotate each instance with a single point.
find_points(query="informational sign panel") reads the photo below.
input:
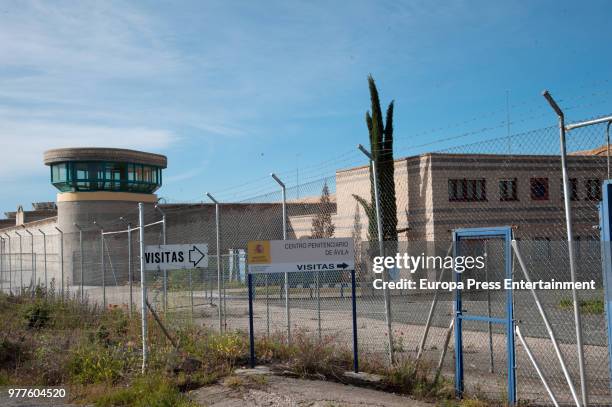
(176, 256)
(290, 256)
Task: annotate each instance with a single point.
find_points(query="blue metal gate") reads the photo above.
(605, 210)
(505, 235)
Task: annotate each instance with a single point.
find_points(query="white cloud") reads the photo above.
(22, 144)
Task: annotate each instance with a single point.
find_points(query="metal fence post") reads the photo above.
(130, 274)
(354, 303)
(287, 303)
(164, 242)
(319, 303)
(61, 259)
(191, 292)
(102, 263)
(608, 147)
(2, 255)
(143, 288)
(45, 260)
(81, 257)
(10, 263)
(219, 276)
(251, 329)
(381, 249)
(32, 260)
(20, 263)
(570, 242)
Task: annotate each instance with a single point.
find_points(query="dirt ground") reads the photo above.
(275, 391)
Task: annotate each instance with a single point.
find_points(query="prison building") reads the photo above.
(436, 193)
(100, 188)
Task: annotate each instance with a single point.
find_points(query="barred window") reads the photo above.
(539, 189)
(508, 190)
(467, 190)
(573, 184)
(593, 189)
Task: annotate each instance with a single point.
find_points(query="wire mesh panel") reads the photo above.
(513, 181)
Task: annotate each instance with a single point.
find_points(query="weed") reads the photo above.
(37, 314)
(93, 364)
(233, 382)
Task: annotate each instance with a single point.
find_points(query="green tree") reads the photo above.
(322, 225)
(381, 148)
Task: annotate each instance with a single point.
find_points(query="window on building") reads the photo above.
(542, 246)
(593, 189)
(507, 190)
(467, 190)
(539, 189)
(573, 184)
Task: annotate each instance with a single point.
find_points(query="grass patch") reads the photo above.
(594, 306)
(96, 353)
(147, 391)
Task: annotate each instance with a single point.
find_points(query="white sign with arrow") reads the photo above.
(290, 256)
(176, 256)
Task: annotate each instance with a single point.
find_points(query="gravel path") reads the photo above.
(288, 392)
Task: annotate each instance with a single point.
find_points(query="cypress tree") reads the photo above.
(381, 148)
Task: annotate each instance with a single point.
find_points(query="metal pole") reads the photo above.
(164, 240)
(267, 308)
(33, 282)
(219, 279)
(284, 206)
(130, 276)
(143, 288)
(319, 303)
(608, 146)
(2, 255)
(381, 249)
(81, 257)
(61, 259)
(536, 366)
(20, 263)
(570, 241)
(354, 306)
(251, 329)
(10, 264)
(573, 126)
(102, 263)
(489, 325)
(551, 334)
(45, 259)
(191, 292)
(449, 332)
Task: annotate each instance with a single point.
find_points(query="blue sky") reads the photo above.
(232, 90)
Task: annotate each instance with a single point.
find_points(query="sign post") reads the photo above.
(302, 256)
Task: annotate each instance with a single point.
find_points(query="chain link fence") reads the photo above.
(512, 181)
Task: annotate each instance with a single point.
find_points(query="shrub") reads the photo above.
(10, 354)
(38, 314)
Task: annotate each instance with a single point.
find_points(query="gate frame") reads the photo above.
(505, 233)
(605, 227)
